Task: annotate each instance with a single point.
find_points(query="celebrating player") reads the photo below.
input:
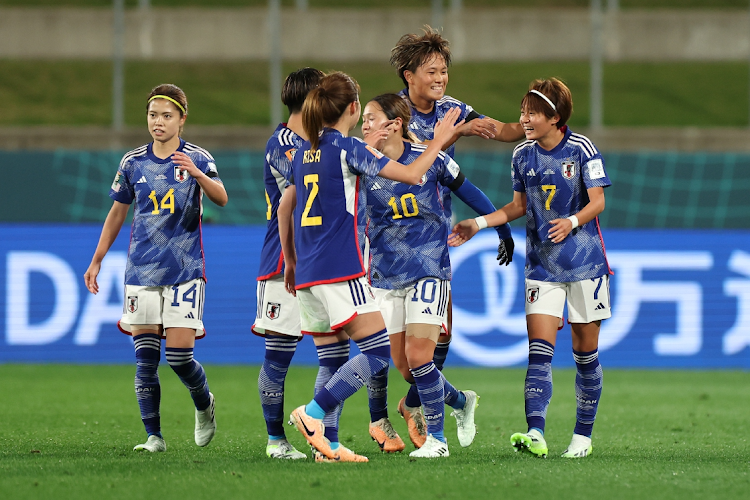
(410, 269)
(164, 275)
(332, 291)
(277, 316)
(558, 183)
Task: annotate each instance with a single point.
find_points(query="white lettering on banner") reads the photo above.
(98, 310)
(738, 337)
(18, 329)
(632, 291)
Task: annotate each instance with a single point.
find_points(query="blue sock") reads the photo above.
(191, 374)
(412, 397)
(453, 397)
(377, 396)
(331, 357)
(588, 390)
(441, 352)
(374, 359)
(430, 385)
(538, 388)
(279, 352)
(147, 387)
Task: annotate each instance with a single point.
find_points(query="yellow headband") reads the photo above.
(169, 99)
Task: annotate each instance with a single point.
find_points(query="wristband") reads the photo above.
(574, 220)
(481, 222)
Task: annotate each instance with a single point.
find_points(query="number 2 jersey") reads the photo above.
(165, 242)
(556, 183)
(406, 225)
(330, 202)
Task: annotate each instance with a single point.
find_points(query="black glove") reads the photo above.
(505, 251)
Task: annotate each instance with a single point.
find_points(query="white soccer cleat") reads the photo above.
(579, 447)
(466, 428)
(205, 423)
(432, 448)
(284, 450)
(154, 444)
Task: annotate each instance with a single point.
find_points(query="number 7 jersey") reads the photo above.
(165, 242)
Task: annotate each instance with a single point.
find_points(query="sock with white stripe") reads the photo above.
(374, 359)
(279, 352)
(588, 390)
(430, 384)
(441, 352)
(538, 387)
(331, 357)
(147, 387)
(191, 374)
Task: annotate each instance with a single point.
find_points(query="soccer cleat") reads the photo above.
(205, 423)
(415, 422)
(432, 448)
(342, 454)
(465, 425)
(383, 433)
(579, 447)
(153, 444)
(284, 450)
(532, 441)
(312, 429)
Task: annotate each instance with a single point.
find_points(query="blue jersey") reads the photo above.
(165, 241)
(330, 201)
(276, 169)
(556, 183)
(406, 225)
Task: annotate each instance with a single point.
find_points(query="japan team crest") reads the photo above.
(532, 294)
(132, 303)
(273, 309)
(568, 169)
(180, 174)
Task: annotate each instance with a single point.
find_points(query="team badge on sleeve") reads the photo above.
(596, 168)
(532, 295)
(117, 183)
(374, 151)
(180, 174)
(132, 303)
(568, 169)
(273, 309)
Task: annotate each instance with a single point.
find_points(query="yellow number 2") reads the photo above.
(306, 219)
(166, 203)
(551, 188)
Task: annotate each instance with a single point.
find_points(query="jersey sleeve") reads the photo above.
(516, 174)
(364, 159)
(448, 171)
(206, 164)
(122, 189)
(594, 174)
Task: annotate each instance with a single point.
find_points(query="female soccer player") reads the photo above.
(277, 315)
(164, 275)
(410, 269)
(332, 291)
(558, 183)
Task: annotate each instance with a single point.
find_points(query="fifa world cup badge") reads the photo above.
(568, 169)
(132, 303)
(532, 294)
(273, 310)
(180, 174)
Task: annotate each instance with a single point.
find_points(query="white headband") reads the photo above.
(534, 91)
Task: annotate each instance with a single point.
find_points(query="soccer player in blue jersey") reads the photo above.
(410, 271)
(277, 315)
(422, 62)
(165, 271)
(558, 183)
(328, 268)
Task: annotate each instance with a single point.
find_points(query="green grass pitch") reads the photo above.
(68, 432)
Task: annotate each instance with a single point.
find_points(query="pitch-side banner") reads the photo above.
(679, 298)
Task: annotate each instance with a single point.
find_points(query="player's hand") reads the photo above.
(462, 232)
(505, 251)
(290, 278)
(480, 127)
(185, 162)
(90, 277)
(559, 230)
(376, 138)
(446, 128)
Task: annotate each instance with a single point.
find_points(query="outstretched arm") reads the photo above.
(466, 229)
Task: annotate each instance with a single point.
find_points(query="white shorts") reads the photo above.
(425, 302)
(172, 306)
(325, 309)
(588, 300)
(277, 309)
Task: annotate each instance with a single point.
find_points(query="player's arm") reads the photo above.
(473, 125)
(286, 235)
(110, 230)
(562, 227)
(507, 132)
(466, 229)
(214, 189)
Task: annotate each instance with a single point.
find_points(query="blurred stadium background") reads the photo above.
(661, 86)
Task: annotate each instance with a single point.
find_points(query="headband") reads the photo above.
(180, 105)
(534, 91)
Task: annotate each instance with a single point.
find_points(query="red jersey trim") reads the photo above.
(277, 271)
(332, 280)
